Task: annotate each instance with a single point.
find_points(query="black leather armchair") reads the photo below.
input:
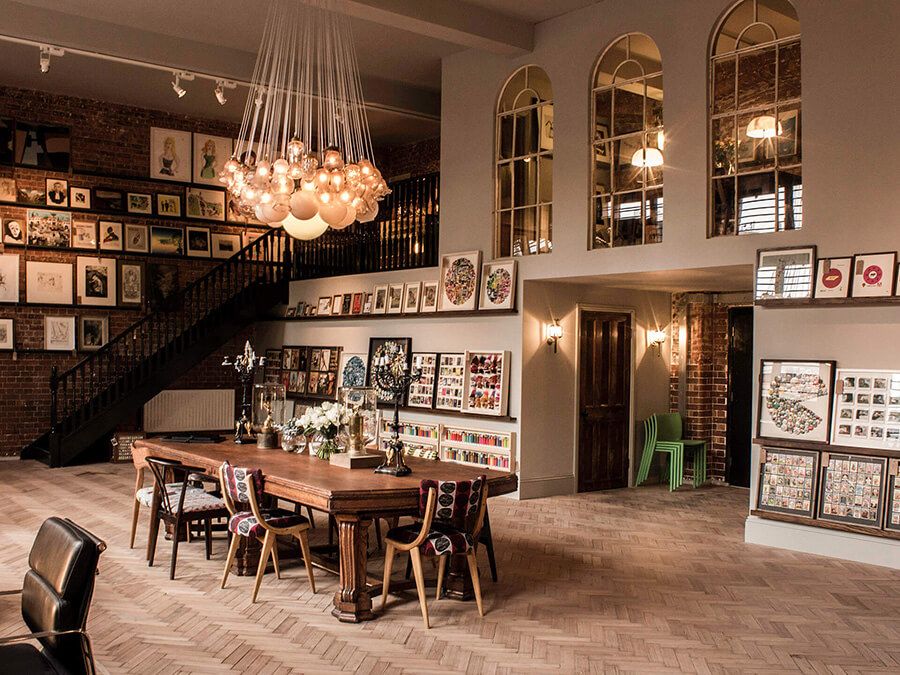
(56, 597)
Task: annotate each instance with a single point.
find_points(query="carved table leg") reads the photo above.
(459, 582)
(352, 603)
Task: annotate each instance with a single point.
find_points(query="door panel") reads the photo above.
(605, 399)
(740, 395)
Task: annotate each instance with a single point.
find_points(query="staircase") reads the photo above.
(90, 399)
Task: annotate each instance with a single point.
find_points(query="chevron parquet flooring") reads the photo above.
(625, 581)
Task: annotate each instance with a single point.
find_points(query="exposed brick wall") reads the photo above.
(406, 161)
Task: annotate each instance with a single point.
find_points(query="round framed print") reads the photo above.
(459, 281)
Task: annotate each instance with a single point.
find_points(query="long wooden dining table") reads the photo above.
(353, 496)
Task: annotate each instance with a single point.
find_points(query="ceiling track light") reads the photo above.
(176, 84)
(46, 53)
(221, 86)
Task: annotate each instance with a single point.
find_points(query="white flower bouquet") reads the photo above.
(325, 421)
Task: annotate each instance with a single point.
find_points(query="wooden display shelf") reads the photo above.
(478, 466)
(789, 444)
(476, 447)
(825, 524)
(425, 411)
(420, 315)
(793, 303)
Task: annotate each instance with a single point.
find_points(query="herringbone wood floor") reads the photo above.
(624, 581)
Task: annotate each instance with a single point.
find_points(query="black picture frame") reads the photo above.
(7, 141)
(770, 470)
(108, 199)
(294, 359)
(374, 344)
(829, 396)
(42, 146)
(162, 285)
(323, 383)
(126, 266)
(873, 522)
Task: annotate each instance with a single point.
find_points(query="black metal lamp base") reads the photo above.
(393, 470)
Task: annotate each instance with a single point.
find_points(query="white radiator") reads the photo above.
(190, 410)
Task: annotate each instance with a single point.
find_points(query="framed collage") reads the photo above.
(421, 393)
(852, 489)
(787, 481)
(294, 369)
(892, 518)
(323, 370)
(352, 372)
(486, 382)
(398, 353)
(795, 399)
(867, 409)
(450, 389)
(459, 281)
(498, 285)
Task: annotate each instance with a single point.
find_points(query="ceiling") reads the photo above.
(400, 44)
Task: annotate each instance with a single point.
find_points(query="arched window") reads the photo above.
(524, 165)
(754, 123)
(628, 144)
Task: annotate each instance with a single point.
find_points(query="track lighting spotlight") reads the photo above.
(177, 88)
(45, 59)
(220, 95)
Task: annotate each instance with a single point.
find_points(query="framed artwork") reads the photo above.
(429, 296)
(290, 312)
(235, 213)
(487, 382)
(79, 198)
(106, 199)
(795, 399)
(51, 229)
(891, 520)
(59, 333)
(42, 146)
(421, 393)
(7, 188)
(166, 240)
(787, 481)
(833, 277)
(7, 141)
(48, 283)
(449, 392)
(459, 281)
(873, 274)
(137, 239)
(352, 372)
(170, 154)
(323, 371)
(110, 235)
(131, 283)
(357, 306)
(294, 369)
(198, 242)
(205, 204)
(13, 233)
(852, 489)
(395, 299)
(210, 155)
(162, 284)
(84, 234)
(249, 236)
(412, 296)
(785, 273)
(346, 303)
(337, 302)
(93, 332)
(139, 202)
(225, 245)
(96, 283)
(31, 196)
(379, 300)
(866, 409)
(57, 192)
(7, 336)
(367, 304)
(168, 205)
(324, 306)
(498, 285)
(272, 369)
(387, 352)
(9, 277)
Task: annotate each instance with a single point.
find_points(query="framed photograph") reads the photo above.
(31, 196)
(337, 303)
(347, 304)
(57, 192)
(7, 188)
(892, 519)
(449, 392)
(59, 333)
(379, 299)
(352, 372)
(96, 281)
(795, 399)
(459, 281)
(7, 336)
(429, 296)
(111, 235)
(9, 277)
(323, 371)
(395, 299)
(162, 284)
(866, 409)
(852, 489)
(225, 245)
(137, 239)
(51, 229)
(833, 277)
(170, 154)
(106, 199)
(79, 198)
(787, 481)
(93, 332)
(873, 274)
(367, 304)
(498, 285)
(412, 297)
(487, 382)
(421, 393)
(48, 283)
(210, 155)
(324, 306)
(249, 236)
(357, 306)
(206, 204)
(139, 202)
(84, 234)
(198, 242)
(13, 233)
(168, 205)
(295, 369)
(166, 240)
(42, 146)
(387, 352)
(785, 273)
(131, 283)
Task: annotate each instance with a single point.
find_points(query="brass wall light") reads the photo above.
(655, 338)
(554, 332)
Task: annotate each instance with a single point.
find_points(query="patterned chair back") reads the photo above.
(239, 483)
(457, 500)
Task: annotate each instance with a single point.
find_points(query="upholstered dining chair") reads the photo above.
(242, 489)
(56, 598)
(452, 515)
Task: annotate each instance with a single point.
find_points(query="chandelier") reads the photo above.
(302, 160)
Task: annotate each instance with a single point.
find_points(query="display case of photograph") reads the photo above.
(486, 382)
(795, 399)
(294, 369)
(450, 390)
(852, 489)
(323, 371)
(787, 481)
(272, 369)
(476, 447)
(892, 519)
(866, 409)
(421, 393)
(420, 439)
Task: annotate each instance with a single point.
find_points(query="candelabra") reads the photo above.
(245, 366)
(395, 377)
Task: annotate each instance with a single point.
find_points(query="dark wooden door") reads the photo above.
(740, 395)
(605, 399)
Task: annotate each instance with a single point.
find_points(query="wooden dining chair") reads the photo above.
(242, 489)
(452, 514)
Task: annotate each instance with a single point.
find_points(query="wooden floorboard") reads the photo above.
(627, 581)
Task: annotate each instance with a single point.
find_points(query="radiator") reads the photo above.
(190, 410)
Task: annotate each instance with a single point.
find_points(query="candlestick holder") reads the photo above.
(245, 366)
(394, 376)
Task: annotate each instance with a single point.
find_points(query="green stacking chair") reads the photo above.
(663, 433)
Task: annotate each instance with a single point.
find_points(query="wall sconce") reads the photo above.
(554, 333)
(655, 338)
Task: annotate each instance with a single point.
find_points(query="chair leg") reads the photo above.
(476, 584)
(388, 564)
(152, 536)
(263, 559)
(408, 567)
(135, 512)
(304, 548)
(420, 583)
(442, 568)
(207, 535)
(175, 539)
(232, 552)
(487, 539)
(312, 520)
(275, 558)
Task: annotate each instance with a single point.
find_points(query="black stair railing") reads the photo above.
(129, 358)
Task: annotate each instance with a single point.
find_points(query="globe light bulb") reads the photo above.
(280, 167)
(263, 169)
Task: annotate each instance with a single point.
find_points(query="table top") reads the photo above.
(315, 482)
